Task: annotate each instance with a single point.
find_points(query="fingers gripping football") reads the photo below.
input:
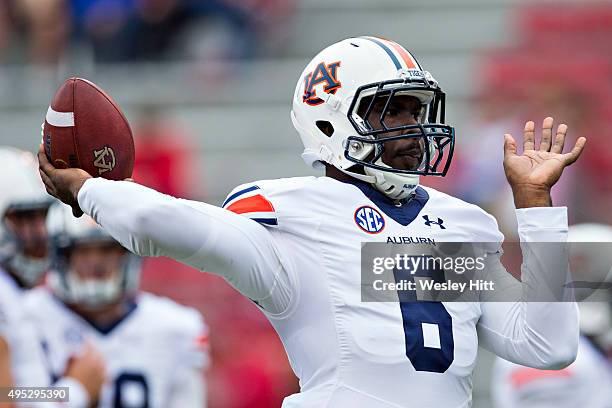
(63, 184)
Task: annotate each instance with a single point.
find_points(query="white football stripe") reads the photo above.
(59, 119)
(256, 214)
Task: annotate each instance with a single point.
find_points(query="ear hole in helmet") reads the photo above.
(326, 127)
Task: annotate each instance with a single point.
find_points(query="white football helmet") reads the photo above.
(67, 232)
(20, 190)
(329, 95)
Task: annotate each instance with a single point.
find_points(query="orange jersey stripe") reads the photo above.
(202, 341)
(256, 203)
(526, 375)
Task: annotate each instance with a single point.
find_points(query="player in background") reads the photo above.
(591, 262)
(587, 381)
(23, 263)
(154, 349)
(23, 247)
(371, 117)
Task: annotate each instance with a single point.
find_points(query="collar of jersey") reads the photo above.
(130, 307)
(404, 214)
(13, 279)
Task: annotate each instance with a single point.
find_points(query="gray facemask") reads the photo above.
(29, 270)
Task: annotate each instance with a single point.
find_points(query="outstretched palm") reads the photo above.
(539, 166)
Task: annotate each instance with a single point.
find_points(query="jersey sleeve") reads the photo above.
(539, 334)
(250, 201)
(201, 235)
(291, 206)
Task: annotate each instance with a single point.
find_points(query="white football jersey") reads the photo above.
(154, 355)
(345, 350)
(19, 334)
(352, 348)
(300, 262)
(585, 383)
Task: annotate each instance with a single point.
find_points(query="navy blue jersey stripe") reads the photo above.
(269, 221)
(403, 215)
(397, 63)
(239, 193)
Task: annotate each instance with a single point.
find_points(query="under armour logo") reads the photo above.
(429, 223)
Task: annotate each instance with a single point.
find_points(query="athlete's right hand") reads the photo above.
(63, 184)
(89, 369)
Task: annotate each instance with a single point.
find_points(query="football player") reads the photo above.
(23, 263)
(373, 119)
(154, 350)
(586, 382)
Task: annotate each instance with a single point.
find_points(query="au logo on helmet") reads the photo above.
(323, 74)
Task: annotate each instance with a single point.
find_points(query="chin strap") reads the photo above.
(397, 187)
(371, 179)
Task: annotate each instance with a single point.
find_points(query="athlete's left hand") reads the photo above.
(533, 173)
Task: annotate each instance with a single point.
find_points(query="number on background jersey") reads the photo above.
(428, 327)
(126, 380)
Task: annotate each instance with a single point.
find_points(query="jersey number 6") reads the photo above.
(428, 327)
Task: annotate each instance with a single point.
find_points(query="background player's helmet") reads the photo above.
(333, 90)
(591, 263)
(21, 190)
(67, 233)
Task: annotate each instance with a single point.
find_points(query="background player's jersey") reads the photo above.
(351, 353)
(156, 352)
(19, 334)
(585, 383)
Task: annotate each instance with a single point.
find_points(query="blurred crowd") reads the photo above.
(138, 30)
(560, 66)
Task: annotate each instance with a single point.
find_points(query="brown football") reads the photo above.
(85, 128)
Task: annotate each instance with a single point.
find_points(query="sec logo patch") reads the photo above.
(369, 219)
